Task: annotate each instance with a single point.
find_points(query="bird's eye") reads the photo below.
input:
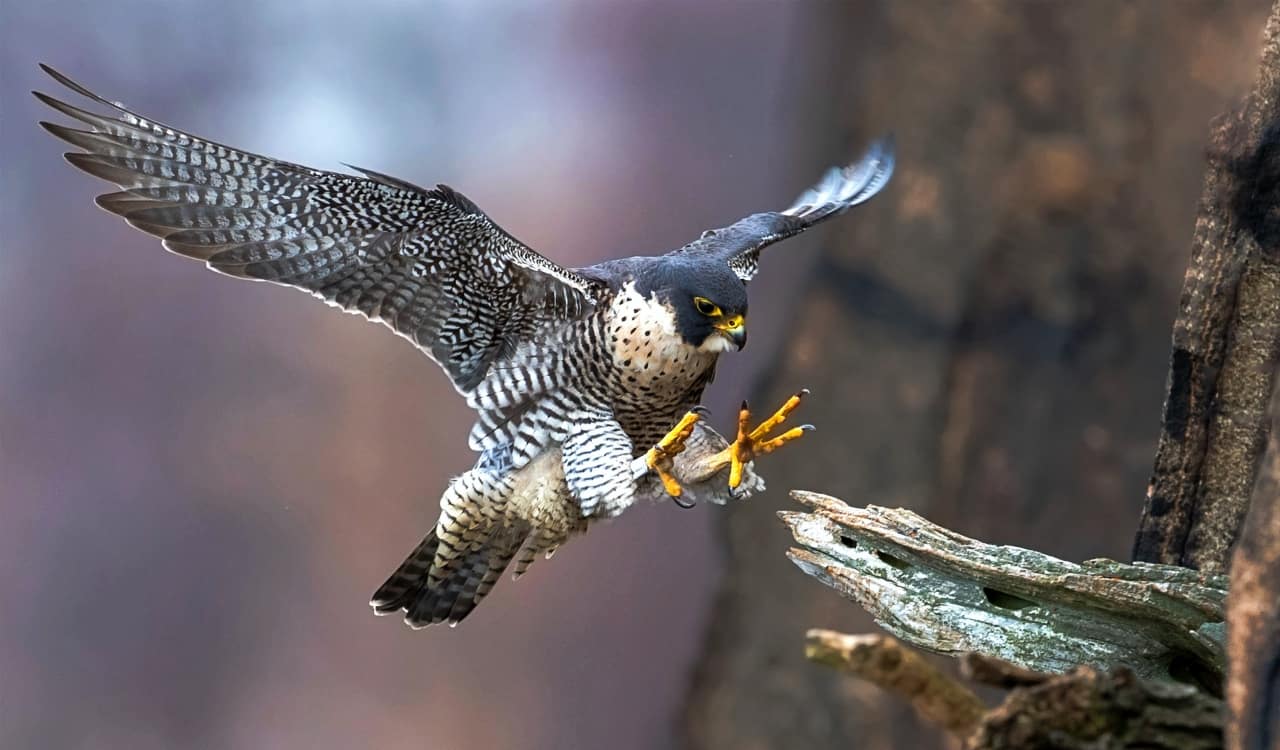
(706, 307)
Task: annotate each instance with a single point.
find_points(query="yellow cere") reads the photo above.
(732, 323)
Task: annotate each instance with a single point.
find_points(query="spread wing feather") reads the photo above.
(429, 264)
(840, 189)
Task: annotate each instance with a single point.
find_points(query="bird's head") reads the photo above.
(707, 300)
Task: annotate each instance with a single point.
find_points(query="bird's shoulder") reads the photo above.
(617, 273)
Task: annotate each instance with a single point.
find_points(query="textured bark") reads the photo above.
(1253, 611)
(1226, 341)
(985, 342)
(1092, 710)
(1086, 708)
(949, 594)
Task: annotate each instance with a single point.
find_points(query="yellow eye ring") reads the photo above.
(707, 307)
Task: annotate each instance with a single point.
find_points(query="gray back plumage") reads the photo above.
(427, 263)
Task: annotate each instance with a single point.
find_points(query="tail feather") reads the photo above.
(464, 585)
(405, 585)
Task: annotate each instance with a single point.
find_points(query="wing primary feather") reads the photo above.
(838, 190)
(81, 90)
(842, 188)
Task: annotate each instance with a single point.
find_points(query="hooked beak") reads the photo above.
(734, 328)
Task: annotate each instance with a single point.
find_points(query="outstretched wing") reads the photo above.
(427, 263)
(840, 189)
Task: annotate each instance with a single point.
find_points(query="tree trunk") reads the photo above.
(1226, 340)
(1253, 611)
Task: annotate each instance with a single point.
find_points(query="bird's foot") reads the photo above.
(751, 443)
(659, 458)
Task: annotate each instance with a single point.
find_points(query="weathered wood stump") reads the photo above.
(949, 594)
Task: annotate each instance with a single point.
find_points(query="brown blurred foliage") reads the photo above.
(990, 349)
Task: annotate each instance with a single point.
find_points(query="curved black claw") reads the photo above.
(687, 506)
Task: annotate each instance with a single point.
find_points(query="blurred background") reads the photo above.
(202, 481)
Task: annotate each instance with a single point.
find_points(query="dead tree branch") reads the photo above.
(1085, 708)
(884, 661)
(1088, 709)
(946, 593)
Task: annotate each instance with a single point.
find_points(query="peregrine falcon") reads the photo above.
(586, 382)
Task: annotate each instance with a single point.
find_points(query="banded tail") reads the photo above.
(464, 585)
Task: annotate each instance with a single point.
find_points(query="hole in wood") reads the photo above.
(1005, 600)
(1187, 669)
(849, 541)
(892, 561)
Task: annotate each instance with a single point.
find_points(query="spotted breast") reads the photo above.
(656, 374)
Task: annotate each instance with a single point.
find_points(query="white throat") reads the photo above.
(648, 349)
(715, 344)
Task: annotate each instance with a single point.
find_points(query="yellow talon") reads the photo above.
(778, 416)
(752, 443)
(769, 446)
(673, 443)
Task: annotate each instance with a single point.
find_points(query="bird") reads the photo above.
(586, 382)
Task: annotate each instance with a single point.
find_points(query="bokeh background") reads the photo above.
(202, 481)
